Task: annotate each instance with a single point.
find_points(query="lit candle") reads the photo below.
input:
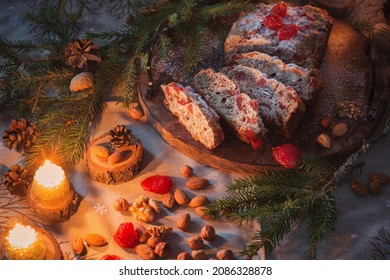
(50, 183)
(24, 243)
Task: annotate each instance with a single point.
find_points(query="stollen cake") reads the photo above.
(236, 108)
(200, 120)
(279, 106)
(295, 34)
(304, 81)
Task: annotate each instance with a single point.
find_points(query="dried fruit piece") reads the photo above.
(145, 252)
(287, 32)
(157, 183)
(207, 232)
(326, 121)
(287, 155)
(186, 171)
(94, 239)
(126, 236)
(339, 130)
(78, 246)
(197, 183)
(324, 140)
(273, 21)
(110, 257)
(359, 188)
(382, 179)
(280, 9)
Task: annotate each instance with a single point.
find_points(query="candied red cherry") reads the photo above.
(273, 22)
(110, 257)
(280, 9)
(157, 183)
(287, 155)
(126, 236)
(287, 32)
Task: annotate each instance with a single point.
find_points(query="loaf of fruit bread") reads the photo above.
(279, 106)
(304, 81)
(200, 120)
(236, 108)
(295, 34)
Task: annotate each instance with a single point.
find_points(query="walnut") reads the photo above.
(158, 230)
(144, 209)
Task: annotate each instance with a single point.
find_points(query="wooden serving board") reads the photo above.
(345, 72)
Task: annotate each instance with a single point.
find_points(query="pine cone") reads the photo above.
(18, 179)
(120, 136)
(79, 52)
(21, 134)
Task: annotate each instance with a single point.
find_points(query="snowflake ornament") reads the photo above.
(100, 208)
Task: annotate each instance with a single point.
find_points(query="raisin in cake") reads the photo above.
(279, 105)
(237, 109)
(304, 81)
(200, 120)
(295, 34)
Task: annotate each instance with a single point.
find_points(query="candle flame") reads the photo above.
(49, 175)
(21, 236)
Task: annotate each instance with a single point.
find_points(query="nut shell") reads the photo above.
(94, 239)
(121, 204)
(186, 171)
(181, 197)
(168, 200)
(199, 200)
(145, 252)
(207, 232)
(195, 242)
(184, 222)
(81, 81)
(197, 183)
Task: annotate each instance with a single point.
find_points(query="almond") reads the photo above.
(198, 200)
(207, 232)
(168, 200)
(145, 252)
(162, 250)
(184, 222)
(382, 179)
(94, 239)
(154, 240)
(324, 140)
(136, 112)
(181, 197)
(339, 130)
(142, 233)
(359, 188)
(78, 246)
(197, 183)
(100, 151)
(201, 211)
(115, 157)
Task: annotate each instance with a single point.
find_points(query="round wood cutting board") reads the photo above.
(346, 75)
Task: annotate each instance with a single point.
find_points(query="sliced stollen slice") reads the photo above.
(237, 109)
(200, 120)
(303, 80)
(279, 106)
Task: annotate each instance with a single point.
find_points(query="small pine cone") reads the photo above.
(120, 136)
(20, 135)
(17, 180)
(79, 52)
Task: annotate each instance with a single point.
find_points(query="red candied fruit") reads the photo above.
(273, 22)
(287, 155)
(126, 236)
(280, 9)
(157, 183)
(110, 257)
(287, 32)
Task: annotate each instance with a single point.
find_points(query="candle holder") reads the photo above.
(51, 196)
(45, 248)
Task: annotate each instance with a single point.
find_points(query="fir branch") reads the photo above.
(381, 244)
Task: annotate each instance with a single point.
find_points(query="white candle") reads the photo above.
(50, 183)
(24, 243)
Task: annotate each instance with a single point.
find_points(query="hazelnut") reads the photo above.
(195, 242)
(162, 249)
(153, 241)
(121, 204)
(184, 222)
(199, 255)
(184, 256)
(186, 171)
(207, 232)
(225, 254)
(168, 200)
